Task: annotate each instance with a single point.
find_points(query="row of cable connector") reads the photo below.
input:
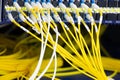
(92, 5)
(42, 5)
(37, 11)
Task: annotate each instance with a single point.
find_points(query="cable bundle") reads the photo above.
(84, 57)
(19, 61)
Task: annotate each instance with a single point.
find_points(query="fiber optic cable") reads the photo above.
(14, 55)
(24, 20)
(100, 65)
(24, 29)
(84, 6)
(41, 55)
(78, 68)
(3, 51)
(33, 14)
(72, 5)
(67, 16)
(80, 36)
(55, 15)
(38, 13)
(23, 13)
(74, 66)
(75, 7)
(79, 31)
(104, 60)
(54, 54)
(88, 16)
(97, 42)
(45, 62)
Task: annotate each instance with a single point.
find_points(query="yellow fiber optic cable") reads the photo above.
(68, 57)
(74, 50)
(98, 49)
(63, 56)
(97, 45)
(12, 55)
(62, 69)
(11, 76)
(65, 41)
(79, 69)
(104, 60)
(3, 51)
(23, 28)
(81, 38)
(113, 74)
(23, 13)
(98, 42)
(91, 34)
(71, 58)
(36, 16)
(34, 35)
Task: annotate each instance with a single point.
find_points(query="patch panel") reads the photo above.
(14, 13)
(107, 17)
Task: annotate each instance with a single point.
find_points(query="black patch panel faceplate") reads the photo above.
(14, 13)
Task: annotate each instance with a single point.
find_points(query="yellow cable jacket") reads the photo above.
(111, 64)
(11, 76)
(44, 63)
